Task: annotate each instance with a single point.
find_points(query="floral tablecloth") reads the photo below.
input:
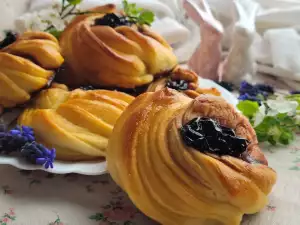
(39, 198)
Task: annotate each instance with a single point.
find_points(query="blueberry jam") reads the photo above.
(112, 20)
(9, 39)
(87, 88)
(206, 135)
(179, 85)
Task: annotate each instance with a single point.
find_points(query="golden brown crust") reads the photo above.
(179, 73)
(26, 66)
(41, 47)
(175, 184)
(59, 86)
(77, 124)
(100, 10)
(124, 57)
(38, 35)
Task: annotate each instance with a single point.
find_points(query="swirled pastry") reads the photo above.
(103, 49)
(77, 123)
(182, 80)
(203, 178)
(26, 66)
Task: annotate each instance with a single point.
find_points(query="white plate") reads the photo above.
(98, 167)
(228, 96)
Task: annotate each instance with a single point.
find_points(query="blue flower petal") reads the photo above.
(15, 132)
(47, 165)
(18, 128)
(243, 97)
(41, 161)
(295, 92)
(53, 153)
(264, 88)
(36, 149)
(27, 129)
(30, 138)
(47, 152)
(39, 153)
(245, 85)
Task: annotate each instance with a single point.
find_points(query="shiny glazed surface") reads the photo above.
(174, 184)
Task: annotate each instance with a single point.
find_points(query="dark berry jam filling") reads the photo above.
(9, 39)
(179, 85)
(88, 88)
(113, 21)
(207, 136)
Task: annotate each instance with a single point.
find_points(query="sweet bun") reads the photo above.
(174, 182)
(124, 56)
(26, 66)
(76, 123)
(183, 80)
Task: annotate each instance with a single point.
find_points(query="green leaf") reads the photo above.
(272, 141)
(146, 17)
(74, 2)
(261, 136)
(248, 108)
(286, 137)
(130, 9)
(287, 121)
(137, 15)
(56, 33)
(277, 129)
(268, 130)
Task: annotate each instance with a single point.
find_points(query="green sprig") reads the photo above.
(278, 128)
(56, 33)
(136, 15)
(73, 2)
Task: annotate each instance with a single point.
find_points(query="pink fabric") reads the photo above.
(207, 57)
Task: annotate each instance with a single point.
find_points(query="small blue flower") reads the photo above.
(22, 139)
(265, 88)
(246, 88)
(23, 132)
(295, 92)
(256, 92)
(245, 85)
(248, 97)
(39, 154)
